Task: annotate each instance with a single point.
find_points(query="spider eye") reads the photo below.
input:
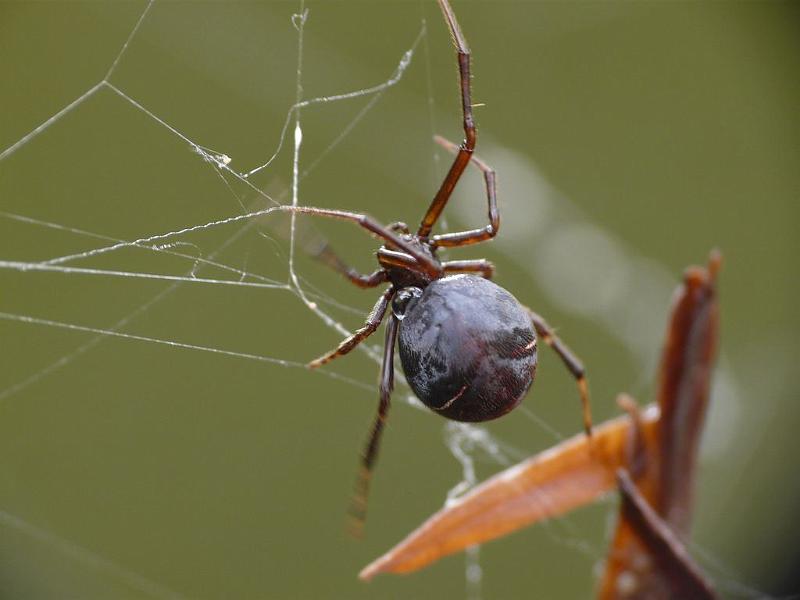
(404, 300)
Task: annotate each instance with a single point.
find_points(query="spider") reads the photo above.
(467, 346)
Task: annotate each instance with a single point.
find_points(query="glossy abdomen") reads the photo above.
(468, 348)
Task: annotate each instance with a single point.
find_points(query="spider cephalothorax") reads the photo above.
(400, 273)
(467, 346)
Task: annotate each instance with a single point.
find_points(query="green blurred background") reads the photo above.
(629, 139)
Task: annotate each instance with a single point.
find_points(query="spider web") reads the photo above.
(214, 253)
(173, 244)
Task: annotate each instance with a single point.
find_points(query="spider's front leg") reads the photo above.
(328, 257)
(358, 507)
(319, 248)
(472, 236)
(465, 150)
(425, 262)
(572, 362)
(373, 321)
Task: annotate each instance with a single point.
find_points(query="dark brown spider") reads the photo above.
(467, 346)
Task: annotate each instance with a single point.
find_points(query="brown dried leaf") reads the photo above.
(547, 485)
(666, 485)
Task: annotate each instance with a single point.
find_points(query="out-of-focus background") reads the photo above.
(629, 139)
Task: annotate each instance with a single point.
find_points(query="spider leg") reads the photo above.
(373, 321)
(317, 246)
(570, 361)
(328, 257)
(468, 145)
(482, 266)
(427, 263)
(358, 507)
(473, 236)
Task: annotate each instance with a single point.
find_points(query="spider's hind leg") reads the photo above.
(572, 362)
(358, 507)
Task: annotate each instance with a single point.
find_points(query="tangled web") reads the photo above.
(143, 287)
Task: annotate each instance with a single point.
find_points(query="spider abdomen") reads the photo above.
(468, 348)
